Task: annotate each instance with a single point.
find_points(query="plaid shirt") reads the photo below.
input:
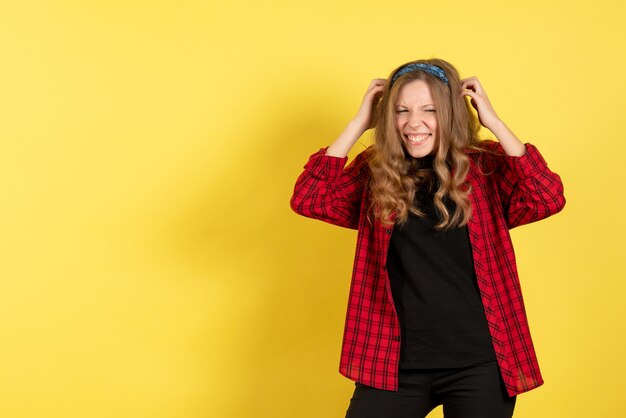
(518, 190)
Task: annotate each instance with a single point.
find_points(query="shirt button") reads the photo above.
(388, 230)
(396, 338)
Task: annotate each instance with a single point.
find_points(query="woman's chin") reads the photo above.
(419, 150)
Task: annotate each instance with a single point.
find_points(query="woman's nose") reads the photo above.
(416, 119)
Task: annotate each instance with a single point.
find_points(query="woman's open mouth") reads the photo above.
(416, 139)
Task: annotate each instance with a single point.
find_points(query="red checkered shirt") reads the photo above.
(506, 192)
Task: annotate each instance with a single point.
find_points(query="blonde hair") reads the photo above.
(396, 176)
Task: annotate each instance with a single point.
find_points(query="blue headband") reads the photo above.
(427, 68)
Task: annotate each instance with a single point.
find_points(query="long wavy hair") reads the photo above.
(396, 176)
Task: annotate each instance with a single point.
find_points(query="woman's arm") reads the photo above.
(489, 119)
(328, 191)
(529, 191)
(361, 122)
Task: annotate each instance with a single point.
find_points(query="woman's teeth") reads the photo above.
(417, 139)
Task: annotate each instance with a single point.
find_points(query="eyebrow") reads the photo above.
(426, 105)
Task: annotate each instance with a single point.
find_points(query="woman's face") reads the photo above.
(416, 121)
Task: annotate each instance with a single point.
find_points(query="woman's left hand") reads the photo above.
(486, 114)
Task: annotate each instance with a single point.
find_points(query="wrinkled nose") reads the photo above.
(416, 120)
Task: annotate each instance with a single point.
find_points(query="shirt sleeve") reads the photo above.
(329, 191)
(529, 190)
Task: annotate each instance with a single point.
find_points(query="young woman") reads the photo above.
(435, 312)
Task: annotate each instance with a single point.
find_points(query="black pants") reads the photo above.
(469, 392)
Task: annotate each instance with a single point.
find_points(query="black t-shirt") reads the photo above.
(434, 288)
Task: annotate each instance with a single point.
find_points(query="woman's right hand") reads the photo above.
(361, 122)
(373, 94)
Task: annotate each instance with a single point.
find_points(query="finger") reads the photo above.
(377, 82)
(472, 81)
(375, 88)
(469, 80)
(478, 87)
(469, 85)
(473, 101)
(470, 93)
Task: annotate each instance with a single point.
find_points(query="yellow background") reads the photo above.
(150, 265)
